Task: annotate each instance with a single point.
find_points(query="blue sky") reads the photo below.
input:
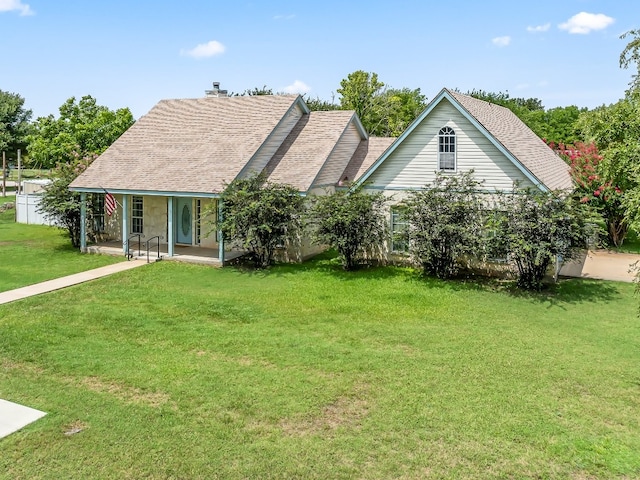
(137, 52)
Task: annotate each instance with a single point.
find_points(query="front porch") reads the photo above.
(181, 253)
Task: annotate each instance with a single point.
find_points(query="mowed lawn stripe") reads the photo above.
(306, 371)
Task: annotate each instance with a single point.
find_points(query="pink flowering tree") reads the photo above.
(594, 188)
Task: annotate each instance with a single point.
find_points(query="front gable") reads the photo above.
(412, 161)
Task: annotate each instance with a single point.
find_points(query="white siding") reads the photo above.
(340, 156)
(274, 141)
(414, 162)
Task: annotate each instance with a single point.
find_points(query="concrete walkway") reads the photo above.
(13, 417)
(602, 265)
(62, 282)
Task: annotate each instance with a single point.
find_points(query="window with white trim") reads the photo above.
(447, 149)
(399, 232)
(137, 214)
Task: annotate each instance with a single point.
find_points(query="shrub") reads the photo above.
(352, 222)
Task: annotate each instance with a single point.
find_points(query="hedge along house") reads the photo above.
(176, 160)
(457, 133)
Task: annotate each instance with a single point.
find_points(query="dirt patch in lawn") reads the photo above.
(346, 411)
(125, 393)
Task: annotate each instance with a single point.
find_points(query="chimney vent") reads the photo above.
(216, 92)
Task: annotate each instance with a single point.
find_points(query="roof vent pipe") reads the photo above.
(216, 92)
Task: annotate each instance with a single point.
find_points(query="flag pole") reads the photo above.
(117, 202)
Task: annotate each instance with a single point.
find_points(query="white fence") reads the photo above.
(27, 211)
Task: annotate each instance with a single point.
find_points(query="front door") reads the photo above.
(184, 223)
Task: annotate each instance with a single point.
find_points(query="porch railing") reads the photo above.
(128, 253)
(157, 246)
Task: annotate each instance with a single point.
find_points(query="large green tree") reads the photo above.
(83, 128)
(615, 130)
(557, 125)
(14, 122)
(60, 203)
(383, 112)
(631, 54)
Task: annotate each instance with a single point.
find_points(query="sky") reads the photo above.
(135, 53)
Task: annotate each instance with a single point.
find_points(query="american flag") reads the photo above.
(109, 204)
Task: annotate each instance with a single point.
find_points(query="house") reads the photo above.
(175, 161)
(459, 133)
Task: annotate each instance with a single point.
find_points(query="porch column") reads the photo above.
(125, 222)
(220, 236)
(171, 241)
(83, 222)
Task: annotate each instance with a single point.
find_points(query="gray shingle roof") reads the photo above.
(519, 140)
(367, 153)
(303, 153)
(190, 145)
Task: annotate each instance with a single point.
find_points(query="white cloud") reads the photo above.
(539, 28)
(584, 22)
(501, 41)
(204, 50)
(284, 17)
(11, 5)
(297, 87)
(522, 86)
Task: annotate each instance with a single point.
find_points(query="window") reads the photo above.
(399, 233)
(98, 213)
(137, 212)
(447, 149)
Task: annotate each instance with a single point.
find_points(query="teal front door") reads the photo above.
(184, 223)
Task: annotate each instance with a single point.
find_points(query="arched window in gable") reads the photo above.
(447, 149)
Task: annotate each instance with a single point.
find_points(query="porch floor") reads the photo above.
(181, 253)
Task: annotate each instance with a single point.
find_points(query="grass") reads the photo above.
(631, 243)
(304, 371)
(27, 173)
(34, 253)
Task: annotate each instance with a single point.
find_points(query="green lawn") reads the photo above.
(35, 253)
(183, 371)
(631, 243)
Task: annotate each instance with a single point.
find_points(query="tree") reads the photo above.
(631, 54)
(402, 107)
(259, 216)
(382, 112)
(536, 228)
(445, 223)
(59, 202)
(82, 129)
(558, 125)
(264, 90)
(592, 190)
(318, 105)
(14, 122)
(352, 222)
(360, 91)
(615, 131)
